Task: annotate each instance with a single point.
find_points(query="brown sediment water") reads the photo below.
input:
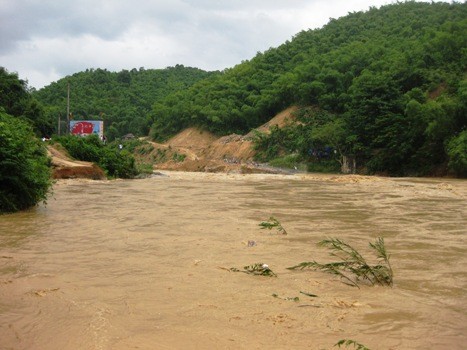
(145, 264)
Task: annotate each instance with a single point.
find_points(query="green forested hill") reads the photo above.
(122, 99)
(389, 85)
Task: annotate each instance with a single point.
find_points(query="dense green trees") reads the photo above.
(457, 151)
(24, 165)
(122, 99)
(17, 101)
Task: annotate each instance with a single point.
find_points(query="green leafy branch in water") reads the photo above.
(273, 223)
(258, 269)
(352, 267)
(349, 342)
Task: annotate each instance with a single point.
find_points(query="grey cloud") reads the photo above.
(24, 20)
(46, 39)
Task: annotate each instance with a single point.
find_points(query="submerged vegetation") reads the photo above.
(273, 223)
(352, 267)
(258, 269)
(350, 344)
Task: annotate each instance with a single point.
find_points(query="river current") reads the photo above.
(147, 264)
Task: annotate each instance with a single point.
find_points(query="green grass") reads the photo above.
(290, 161)
(144, 168)
(324, 166)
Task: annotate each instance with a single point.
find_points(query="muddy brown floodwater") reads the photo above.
(144, 264)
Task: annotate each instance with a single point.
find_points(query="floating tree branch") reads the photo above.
(349, 342)
(296, 299)
(273, 223)
(353, 267)
(258, 269)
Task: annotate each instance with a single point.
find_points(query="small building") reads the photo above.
(128, 137)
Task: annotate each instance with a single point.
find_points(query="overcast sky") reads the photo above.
(45, 40)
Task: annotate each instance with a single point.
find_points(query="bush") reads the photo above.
(115, 162)
(24, 166)
(83, 148)
(290, 161)
(324, 166)
(118, 163)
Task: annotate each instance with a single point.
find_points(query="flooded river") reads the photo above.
(145, 264)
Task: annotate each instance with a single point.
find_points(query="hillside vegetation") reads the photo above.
(387, 87)
(122, 99)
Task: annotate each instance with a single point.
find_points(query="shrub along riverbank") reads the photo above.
(115, 161)
(24, 166)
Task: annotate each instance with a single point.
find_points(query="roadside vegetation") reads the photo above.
(116, 162)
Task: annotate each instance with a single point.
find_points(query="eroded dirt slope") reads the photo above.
(64, 167)
(198, 150)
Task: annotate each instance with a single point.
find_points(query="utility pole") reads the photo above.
(59, 121)
(68, 109)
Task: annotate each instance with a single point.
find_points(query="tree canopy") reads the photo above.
(24, 165)
(16, 100)
(122, 99)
